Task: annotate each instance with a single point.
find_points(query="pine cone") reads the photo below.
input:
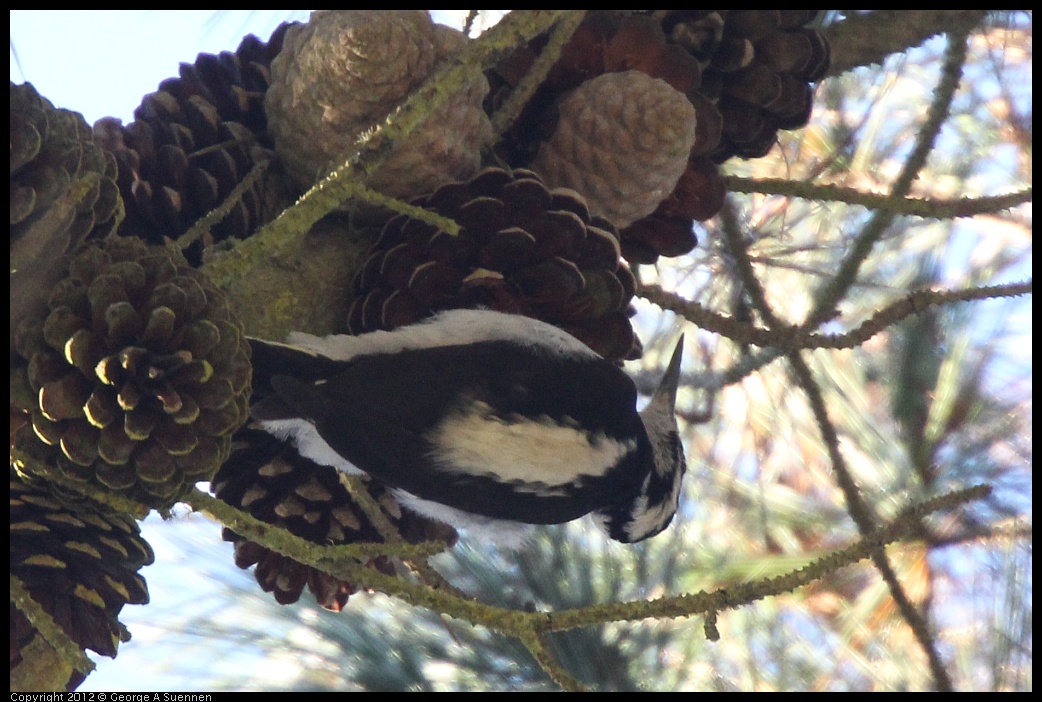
(668, 231)
(270, 480)
(63, 191)
(51, 148)
(757, 67)
(192, 142)
(622, 140)
(606, 47)
(343, 72)
(523, 249)
(79, 564)
(604, 43)
(746, 74)
(139, 374)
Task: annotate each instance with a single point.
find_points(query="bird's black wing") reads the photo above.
(378, 412)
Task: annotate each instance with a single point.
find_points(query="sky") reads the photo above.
(70, 55)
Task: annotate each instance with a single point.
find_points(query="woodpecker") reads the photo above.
(478, 418)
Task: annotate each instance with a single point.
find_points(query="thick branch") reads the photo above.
(866, 38)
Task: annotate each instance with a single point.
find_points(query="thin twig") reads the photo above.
(206, 222)
(297, 548)
(538, 644)
(531, 627)
(468, 24)
(52, 633)
(865, 521)
(522, 624)
(827, 297)
(790, 337)
(826, 300)
(918, 207)
(705, 603)
(509, 111)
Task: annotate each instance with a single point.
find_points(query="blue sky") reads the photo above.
(101, 62)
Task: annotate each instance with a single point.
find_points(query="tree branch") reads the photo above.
(832, 291)
(931, 208)
(792, 338)
(857, 507)
(348, 180)
(865, 38)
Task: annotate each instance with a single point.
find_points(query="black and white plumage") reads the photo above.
(477, 416)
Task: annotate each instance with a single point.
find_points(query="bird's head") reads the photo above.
(653, 508)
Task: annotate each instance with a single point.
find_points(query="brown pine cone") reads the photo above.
(137, 377)
(523, 248)
(746, 74)
(270, 480)
(345, 71)
(63, 191)
(192, 142)
(606, 47)
(80, 565)
(622, 140)
(757, 66)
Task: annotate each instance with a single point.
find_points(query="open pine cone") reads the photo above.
(137, 377)
(757, 67)
(523, 248)
(192, 142)
(80, 565)
(270, 480)
(63, 191)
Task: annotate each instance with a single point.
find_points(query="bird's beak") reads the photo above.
(667, 387)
